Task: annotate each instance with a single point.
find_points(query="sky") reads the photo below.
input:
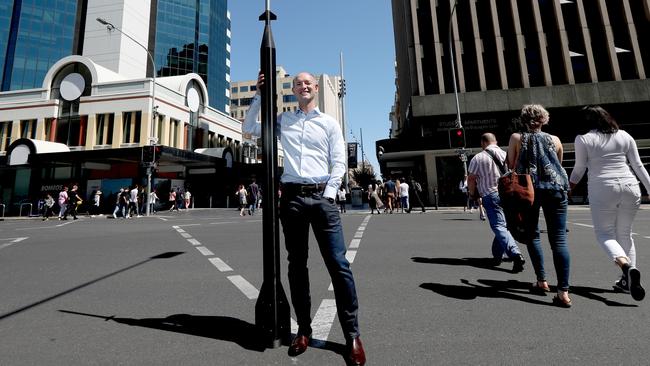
(309, 36)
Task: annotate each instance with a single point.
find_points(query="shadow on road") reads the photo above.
(223, 328)
(469, 291)
(513, 290)
(246, 335)
(165, 255)
(484, 263)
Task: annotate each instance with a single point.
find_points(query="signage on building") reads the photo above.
(352, 155)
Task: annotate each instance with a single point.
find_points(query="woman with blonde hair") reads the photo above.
(614, 194)
(540, 154)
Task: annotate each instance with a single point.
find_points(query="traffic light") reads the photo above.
(151, 153)
(456, 138)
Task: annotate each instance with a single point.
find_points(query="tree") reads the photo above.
(363, 175)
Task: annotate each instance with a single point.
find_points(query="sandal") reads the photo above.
(561, 303)
(538, 289)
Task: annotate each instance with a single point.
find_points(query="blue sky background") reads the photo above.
(309, 36)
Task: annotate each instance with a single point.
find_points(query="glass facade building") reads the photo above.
(185, 36)
(192, 36)
(34, 34)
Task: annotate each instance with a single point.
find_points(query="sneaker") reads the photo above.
(114, 216)
(622, 285)
(518, 263)
(636, 290)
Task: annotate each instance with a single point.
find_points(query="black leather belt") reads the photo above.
(298, 189)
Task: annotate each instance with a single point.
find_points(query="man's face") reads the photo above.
(305, 87)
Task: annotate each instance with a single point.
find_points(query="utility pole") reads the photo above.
(462, 152)
(342, 103)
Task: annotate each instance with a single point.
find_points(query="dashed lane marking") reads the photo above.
(47, 227)
(186, 235)
(221, 265)
(189, 225)
(205, 251)
(354, 243)
(12, 241)
(244, 286)
(162, 218)
(350, 254)
(194, 241)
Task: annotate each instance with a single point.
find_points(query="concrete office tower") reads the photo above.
(562, 54)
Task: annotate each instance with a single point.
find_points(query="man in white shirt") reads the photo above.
(484, 172)
(314, 163)
(133, 202)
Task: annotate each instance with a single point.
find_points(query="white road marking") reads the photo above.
(221, 265)
(162, 218)
(354, 243)
(350, 255)
(358, 234)
(186, 235)
(232, 222)
(244, 286)
(180, 230)
(45, 227)
(190, 225)
(294, 326)
(205, 251)
(194, 241)
(12, 242)
(584, 225)
(362, 228)
(322, 322)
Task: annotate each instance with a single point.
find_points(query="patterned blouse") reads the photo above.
(538, 158)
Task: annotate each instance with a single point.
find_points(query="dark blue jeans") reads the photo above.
(297, 213)
(555, 207)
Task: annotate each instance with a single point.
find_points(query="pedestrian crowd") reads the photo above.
(611, 159)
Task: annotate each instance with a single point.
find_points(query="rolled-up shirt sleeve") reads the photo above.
(337, 161)
(580, 165)
(251, 125)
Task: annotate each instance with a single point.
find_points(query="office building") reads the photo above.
(563, 54)
(92, 102)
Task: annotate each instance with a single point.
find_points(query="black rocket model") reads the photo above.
(272, 308)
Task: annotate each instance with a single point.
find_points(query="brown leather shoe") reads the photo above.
(298, 345)
(357, 355)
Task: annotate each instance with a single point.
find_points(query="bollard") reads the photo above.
(227, 201)
(3, 212)
(210, 202)
(435, 196)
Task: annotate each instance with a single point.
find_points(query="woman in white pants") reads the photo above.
(614, 192)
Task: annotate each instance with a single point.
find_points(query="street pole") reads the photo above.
(459, 124)
(343, 126)
(363, 162)
(154, 109)
(272, 311)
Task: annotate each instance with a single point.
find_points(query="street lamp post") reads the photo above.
(462, 152)
(154, 109)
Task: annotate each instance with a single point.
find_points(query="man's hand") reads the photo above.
(260, 83)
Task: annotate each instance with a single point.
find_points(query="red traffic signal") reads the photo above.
(456, 138)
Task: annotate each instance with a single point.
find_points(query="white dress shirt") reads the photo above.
(314, 151)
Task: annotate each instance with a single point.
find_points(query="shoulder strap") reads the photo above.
(498, 162)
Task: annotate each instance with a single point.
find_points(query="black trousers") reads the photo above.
(297, 213)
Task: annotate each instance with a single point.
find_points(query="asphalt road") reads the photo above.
(181, 289)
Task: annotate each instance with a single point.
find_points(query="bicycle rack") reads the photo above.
(31, 206)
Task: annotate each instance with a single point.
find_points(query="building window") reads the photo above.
(220, 141)
(104, 132)
(173, 132)
(5, 135)
(28, 129)
(211, 140)
(235, 89)
(253, 87)
(159, 127)
(289, 98)
(243, 88)
(131, 124)
(286, 85)
(50, 129)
